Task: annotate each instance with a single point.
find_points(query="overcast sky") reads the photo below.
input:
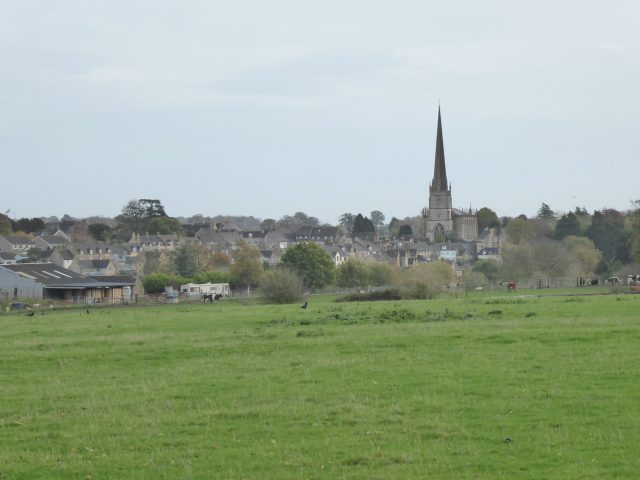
(268, 108)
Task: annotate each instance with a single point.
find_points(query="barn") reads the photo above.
(38, 281)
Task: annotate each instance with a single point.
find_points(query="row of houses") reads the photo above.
(99, 261)
(100, 258)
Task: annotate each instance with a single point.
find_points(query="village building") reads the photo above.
(16, 243)
(441, 220)
(50, 281)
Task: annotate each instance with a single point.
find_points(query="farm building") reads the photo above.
(50, 281)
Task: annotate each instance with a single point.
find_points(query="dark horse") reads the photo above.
(511, 286)
(211, 297)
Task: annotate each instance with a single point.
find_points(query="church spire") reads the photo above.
(439, 183)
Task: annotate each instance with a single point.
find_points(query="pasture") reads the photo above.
(484, 387)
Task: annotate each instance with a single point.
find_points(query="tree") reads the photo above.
(394, 227)
(5, 225)
(155, 282)
(377, 219)
(299, 219)
(472, 279)
(151, 208)
(635, 229)
(347, 220)
(405, 231)
(100, 231)
(381, 274)
(163, 226)
(185, 260)
(144, 216)
(487, 218)
(67, 222)
(247, 268)
(583, 254)
(539, 257)
(353, 273)
(607, 231)
(545, 212)
(28, 225)
(281, 286)
(311, 263)
(33, 255)
(221, 260)
(363, 225)
(521, 230)
(268, 225)
(568, 224)
(489, 268)
(213, 276)
(426, 280)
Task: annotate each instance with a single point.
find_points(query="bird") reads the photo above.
(88, 312)
(30, 314)
(306, 304)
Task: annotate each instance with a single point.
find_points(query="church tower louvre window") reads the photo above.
(440, 220)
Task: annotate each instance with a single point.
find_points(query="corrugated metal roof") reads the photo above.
(53, 276)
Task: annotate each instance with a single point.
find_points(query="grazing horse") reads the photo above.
(510, 285)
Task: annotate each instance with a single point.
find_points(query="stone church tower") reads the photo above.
(441, 220)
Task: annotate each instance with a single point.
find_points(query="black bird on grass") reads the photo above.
(306, 304)
(30, 314)
(88, 311)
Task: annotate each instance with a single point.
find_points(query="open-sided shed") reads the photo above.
(50, 281)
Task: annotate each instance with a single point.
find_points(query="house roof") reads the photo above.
(317, 232)
(66, 254)
(53, 240)
(17, 239)
(118, 279)
(55, 277)
(7, 255)
(252, 234)
(93, 264)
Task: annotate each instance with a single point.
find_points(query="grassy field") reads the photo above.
(480, 387)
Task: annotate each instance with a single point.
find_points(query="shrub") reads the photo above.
(353, 273)
(281, 286)
(389, 294)
(155, 282)
(426, 281)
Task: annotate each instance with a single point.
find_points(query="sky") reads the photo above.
(325, 107)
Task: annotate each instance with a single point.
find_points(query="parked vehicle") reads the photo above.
(197, 290)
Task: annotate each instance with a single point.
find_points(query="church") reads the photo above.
(441, 221)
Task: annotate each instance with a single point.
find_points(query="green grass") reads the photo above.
(481, 387)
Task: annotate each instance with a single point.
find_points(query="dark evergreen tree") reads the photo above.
(363, 225)
(606, 232)
(568, 224)
(545, 212)
(405, 231)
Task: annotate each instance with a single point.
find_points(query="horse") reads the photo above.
(511, 286)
